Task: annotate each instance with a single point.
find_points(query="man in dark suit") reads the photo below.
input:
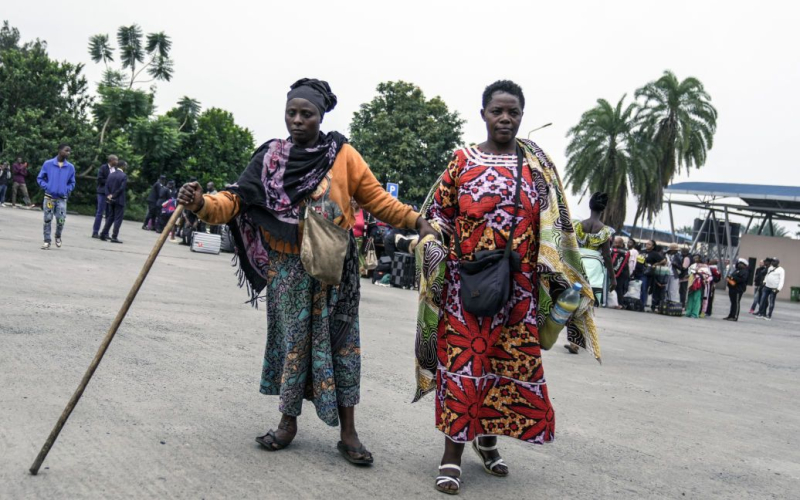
(153, 208)
(102, 176)
(116, 185)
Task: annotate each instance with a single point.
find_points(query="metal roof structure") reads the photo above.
(752, 201)
(772, 202)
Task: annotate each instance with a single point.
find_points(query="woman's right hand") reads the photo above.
(191, 196)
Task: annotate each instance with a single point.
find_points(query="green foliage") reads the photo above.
(9, 37)
(670, 129)
(100, 49)
(602, 156)
(218, 150)
(133, 51)
(678, 118)
(158, 141)
(42, 102)
(406, 138)
(118, 107)
(186, 113)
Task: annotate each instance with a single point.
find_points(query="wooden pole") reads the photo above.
(51, 439)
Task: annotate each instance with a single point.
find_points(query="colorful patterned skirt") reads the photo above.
(490, 379)
(299, 361)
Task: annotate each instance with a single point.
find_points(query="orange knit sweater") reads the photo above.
(351, 178)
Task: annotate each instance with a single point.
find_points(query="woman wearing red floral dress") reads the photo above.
(490, 381)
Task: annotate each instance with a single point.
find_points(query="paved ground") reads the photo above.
(680, 408)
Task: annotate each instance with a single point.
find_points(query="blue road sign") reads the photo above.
(393, 189)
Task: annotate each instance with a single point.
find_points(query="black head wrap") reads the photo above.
(318, 92)
(598, 201)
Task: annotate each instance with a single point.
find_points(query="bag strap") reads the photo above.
(510, 242)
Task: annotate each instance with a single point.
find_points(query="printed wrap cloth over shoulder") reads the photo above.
(559, 260)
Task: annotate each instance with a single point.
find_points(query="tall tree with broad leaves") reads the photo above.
(136, 53)
(120, 102)
(678, 119)
(406, 138)
(604, 155)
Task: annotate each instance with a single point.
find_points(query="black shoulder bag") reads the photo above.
(486, 281)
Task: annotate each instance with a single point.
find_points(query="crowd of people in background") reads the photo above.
(17, 175)
(57, 180)
(676, 282)
(666, 280)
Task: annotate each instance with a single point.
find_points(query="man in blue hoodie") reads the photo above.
(57, 179)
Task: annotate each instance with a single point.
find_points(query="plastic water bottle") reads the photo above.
(560, 313)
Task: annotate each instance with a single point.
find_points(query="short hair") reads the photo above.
(111, 157)
(122, 163)
(62, 146)
(506, 86)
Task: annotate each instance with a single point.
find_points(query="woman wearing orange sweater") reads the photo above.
(313, 346)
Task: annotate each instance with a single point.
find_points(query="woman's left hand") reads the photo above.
(424, 229)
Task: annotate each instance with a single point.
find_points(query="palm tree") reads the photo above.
(779, 231)
(603, 155)
(187, 110)
(679, 120)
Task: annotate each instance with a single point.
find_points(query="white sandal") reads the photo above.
(442, 480)
(489, 464)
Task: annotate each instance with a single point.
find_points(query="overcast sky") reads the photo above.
(242, 56)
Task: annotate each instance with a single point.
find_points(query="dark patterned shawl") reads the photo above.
(272, 187)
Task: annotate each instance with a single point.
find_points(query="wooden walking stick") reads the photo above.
(51, 439)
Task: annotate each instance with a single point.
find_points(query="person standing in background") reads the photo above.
(716, 276)
(651, 258)
(116, 185)
(57, 180)
(699, 277)
(675, 263)
(620, 261)
(165, 194)
(633, 256)
(758, 283)
(686, 261)
(737, 284)
(5, 177)
(19, 171)
(102, 176)
(153, 207)
(773, 283)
